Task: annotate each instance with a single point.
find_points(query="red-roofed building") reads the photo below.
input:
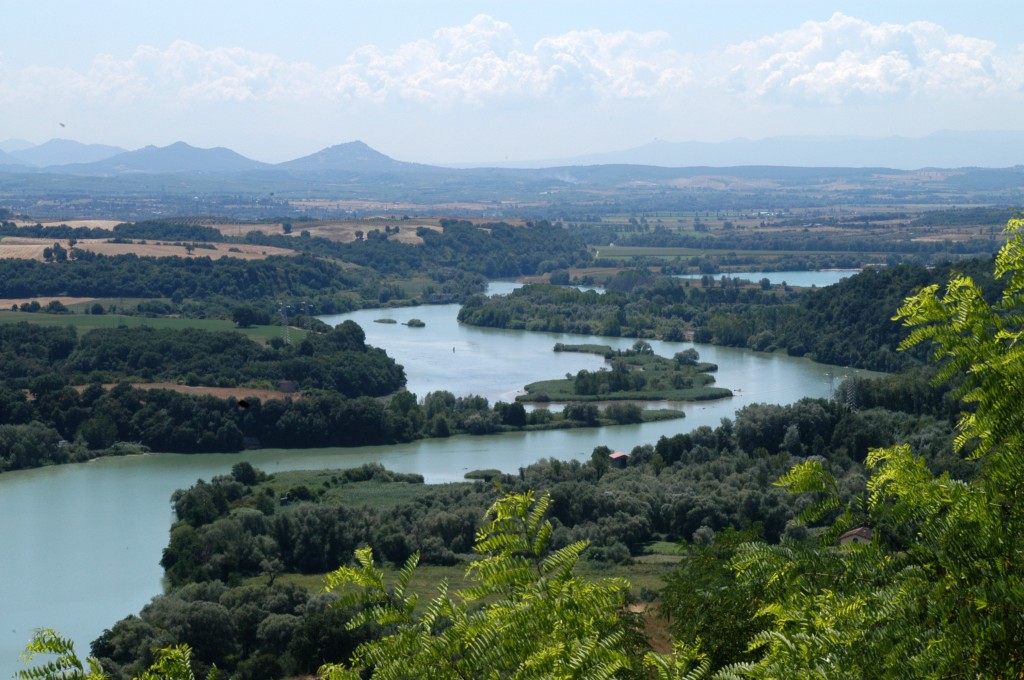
(859, 535)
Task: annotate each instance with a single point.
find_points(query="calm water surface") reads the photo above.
(805, 279)
(80, 544)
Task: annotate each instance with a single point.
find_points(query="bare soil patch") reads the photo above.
(343, 231)
(655, 627)
(721, 182)
(162, 249)
(92, 224)
(5, 303)
(219, 392)
(395, 211)
(939, 238)
(346, 231)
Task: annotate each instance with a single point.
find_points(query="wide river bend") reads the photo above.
(80, 544)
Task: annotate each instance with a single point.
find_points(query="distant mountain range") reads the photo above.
(176, 158)
(63, 156)
(945, 149)
(180, 178)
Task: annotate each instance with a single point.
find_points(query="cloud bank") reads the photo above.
(840, 60)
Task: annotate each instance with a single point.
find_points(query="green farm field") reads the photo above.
(645, 573)
(87, 322)
(626, 252)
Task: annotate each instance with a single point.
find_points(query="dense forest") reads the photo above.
(494, 250)
(78, 418)
(196, 280)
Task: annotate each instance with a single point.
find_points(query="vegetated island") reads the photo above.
(411, 323)
(634, 374)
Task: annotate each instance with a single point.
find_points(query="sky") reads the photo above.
(449, 82)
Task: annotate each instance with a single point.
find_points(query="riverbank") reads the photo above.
(89, 546)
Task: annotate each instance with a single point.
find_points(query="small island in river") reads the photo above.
(635, 374)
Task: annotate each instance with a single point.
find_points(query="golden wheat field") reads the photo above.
(74, 224)
(5, 303)
(32, 248)
(219, 392)
(343, 231)
(21, 251)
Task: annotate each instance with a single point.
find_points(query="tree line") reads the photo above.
(43, 359)
(806, 240)
(177, 278)
(846, 324)
(491, 249)
(162, 230)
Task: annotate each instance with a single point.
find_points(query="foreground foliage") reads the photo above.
(172, 663)
(940, 590)
(525, 614)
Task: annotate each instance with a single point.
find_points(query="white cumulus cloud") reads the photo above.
(484, 60)
(473, 63)
(845, 59)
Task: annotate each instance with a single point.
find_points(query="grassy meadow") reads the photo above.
(87, 322)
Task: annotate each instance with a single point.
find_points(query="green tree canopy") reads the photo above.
(940, 589)
(526, 615)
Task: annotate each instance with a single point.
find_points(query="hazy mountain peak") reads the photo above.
(356, 148)
(66, 152)
(176, 157)
(9, 145)
(945, 149)
(353, 156)
(8, 159)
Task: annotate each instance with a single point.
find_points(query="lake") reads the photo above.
(81, 544)
(803, 279)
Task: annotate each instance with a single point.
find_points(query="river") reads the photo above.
(81, 544)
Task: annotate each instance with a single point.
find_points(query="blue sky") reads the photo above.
(449, 82)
